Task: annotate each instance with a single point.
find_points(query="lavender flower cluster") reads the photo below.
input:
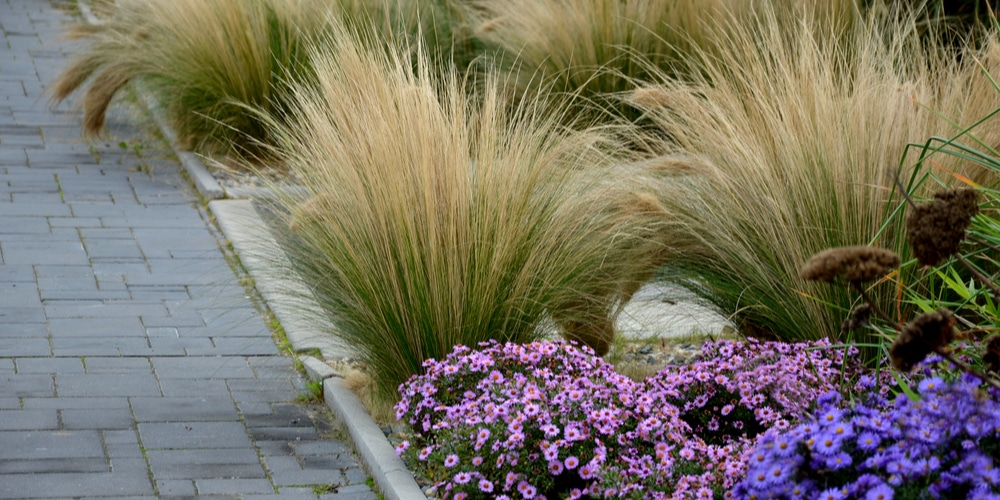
(550, 419)
(744, 388)
(944, 445)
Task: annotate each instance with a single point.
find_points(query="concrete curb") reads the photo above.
(394, 480)
(288, 299)
(292, 303)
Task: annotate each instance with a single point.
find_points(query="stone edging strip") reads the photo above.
(288, 298)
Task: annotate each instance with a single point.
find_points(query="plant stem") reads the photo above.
(983, 279)
(875, 308)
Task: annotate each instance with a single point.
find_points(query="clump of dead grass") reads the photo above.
(802, 139)
(441, 216)
(207, 61)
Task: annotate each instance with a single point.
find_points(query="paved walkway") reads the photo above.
(132, 362)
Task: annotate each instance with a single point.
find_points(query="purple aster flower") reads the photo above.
(832, 494)
(463, 477)
(880, 492)
(869, 441)
(485, 485)
(451, 460)
(526, 489)
(555, 467)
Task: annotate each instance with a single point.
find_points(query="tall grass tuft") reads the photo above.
(800, 145)
(594, 49)
(441, 216)
(207, 61)
(442, 27)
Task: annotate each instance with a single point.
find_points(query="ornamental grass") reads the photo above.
(208, 63)
(438, 217)
(802, 140)
(591, 50)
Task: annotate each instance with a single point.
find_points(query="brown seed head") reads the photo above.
(860, 317)
(855, 264)
(935, 229)
(925, 334)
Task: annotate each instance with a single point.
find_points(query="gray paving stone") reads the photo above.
(282, 415)
(25, 225)
(320, 448)
(29, 420)
(20, 315)
(234, 486)
(54, 465)
(284, 433)
(30, 445)
(239, 346)
(84, 403)
(96, 327)
(184, 409)
(287, 493)
(290, 478)
(194, 435)
(179, 346)
(191, 387)
(103, 419)
(214, 367)
(74, 485)
(36, 345)
(17, 273)
(176, 488)
(97, 346)
(28, 385)
(119, 365)
(126, 384)
(50, 365)
(353, 495)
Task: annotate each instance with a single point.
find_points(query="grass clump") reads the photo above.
(440, 217)
(207, 62)
(801, 141)
(594, 49)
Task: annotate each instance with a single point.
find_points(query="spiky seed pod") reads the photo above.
(925, 334)
(860, 317)
(992, 356)
(855, 264)
(935, 229)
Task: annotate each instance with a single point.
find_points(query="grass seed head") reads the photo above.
(925, 334)
(936, 229)
(855, 264)
(860, 318)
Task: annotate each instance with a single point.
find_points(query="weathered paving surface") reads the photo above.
(132, 362)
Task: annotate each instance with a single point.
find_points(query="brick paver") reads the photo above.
(132, 362)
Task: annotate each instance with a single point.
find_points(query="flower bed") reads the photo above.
(550, 419)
